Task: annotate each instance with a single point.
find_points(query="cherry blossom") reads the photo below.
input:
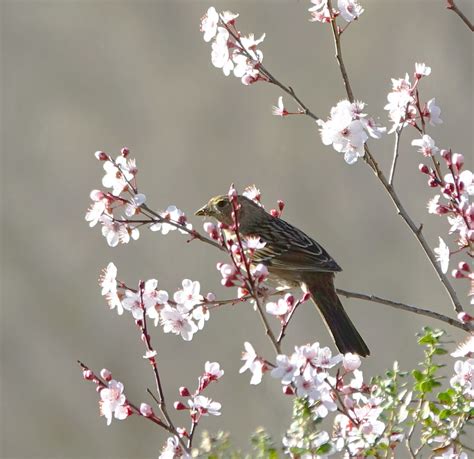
(108, 279)
(351, 362)
(189, 295)
(209, 24)
(433, 112)
(426, 145)
(213, 371)
(421, 70)
(350, 9)
(132, 208)
(464, 377)
(173, 450)
(287, 368)
(171, 214)
(279, 109)
(176, 320)
(204, 405)
(113, 402)
(320, 11)
(252, 363)
(442, 255)
(346, 131)
(115, 231)
(253, 193)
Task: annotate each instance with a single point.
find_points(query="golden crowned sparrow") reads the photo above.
(293, 258)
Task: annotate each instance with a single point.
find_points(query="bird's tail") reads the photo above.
(346, 336)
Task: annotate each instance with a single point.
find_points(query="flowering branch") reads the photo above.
(450, 5)
(405, 307)
(416, 230)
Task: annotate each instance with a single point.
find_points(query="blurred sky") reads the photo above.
(79, 76)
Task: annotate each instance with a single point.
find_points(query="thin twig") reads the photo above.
(271, 79)
(453, 7)
(398, 134)
(405, 307)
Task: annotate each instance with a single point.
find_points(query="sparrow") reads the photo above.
(292, 259)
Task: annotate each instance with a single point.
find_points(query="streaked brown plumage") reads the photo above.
(294, 259)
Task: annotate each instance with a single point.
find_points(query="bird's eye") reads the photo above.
(221, 204)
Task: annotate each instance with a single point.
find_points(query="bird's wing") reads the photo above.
(288, 248)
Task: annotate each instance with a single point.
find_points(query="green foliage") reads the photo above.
(420, 410)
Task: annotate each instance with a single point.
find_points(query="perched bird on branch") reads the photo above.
(293, 259)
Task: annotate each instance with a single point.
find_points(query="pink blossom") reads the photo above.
(350, 9)
(279, 109)
(173, 450)
(442, 255)
(209, 24)
(426, 145)
(176, 320)
(204, 405)
(252, 363)
(113, 402)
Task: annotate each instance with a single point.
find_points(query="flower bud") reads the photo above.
(281, 205)
(423, 168)
(288, 390)
(184, 392)
(182, 432)
(275, 213)
(106, 374)
(101, 155)
(179, 406)
(463, 266)
(432, 183)
(446, 154)
(88, 375)
(457, 274)
(464, 317)
(458, 161)
(124, 152)
(146, 410)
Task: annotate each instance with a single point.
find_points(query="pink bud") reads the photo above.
(184, 392)
(88, 375)
(288, 390)
(146, 410)
(457, 274)
(275, 213)
(446, 154)
(281, 205)
(463, 266)
(290, 300)
(182, 432)
(232, 193)
(106, 374)
(306, 297)
(424, 169)
(101, 155)
(464, 317)
(432, 183)
(124, 152)
(458, 161)
(179, 406)
(448, 188)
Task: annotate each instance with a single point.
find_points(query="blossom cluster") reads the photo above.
(350, 10)
(232, 51)
(463, 378)
(306, 374)
(404, 107)
(198, 405)
(183, 315)
(347, 129)
(113, 403)
(454, 201)
(114, 209)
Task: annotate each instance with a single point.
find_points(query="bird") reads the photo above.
(293, 259)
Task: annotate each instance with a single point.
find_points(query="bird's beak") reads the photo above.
(202, 212)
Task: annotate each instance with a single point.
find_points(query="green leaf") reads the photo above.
(445, 398)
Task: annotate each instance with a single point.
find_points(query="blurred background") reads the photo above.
(81, 76)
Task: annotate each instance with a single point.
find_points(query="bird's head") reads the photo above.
(218, 207)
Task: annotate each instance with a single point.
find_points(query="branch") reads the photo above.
(452, 6)
(398, 134)
(405, 307)
(416, 230)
